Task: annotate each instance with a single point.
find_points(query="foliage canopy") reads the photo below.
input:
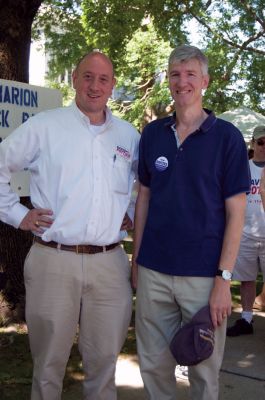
(138, 36)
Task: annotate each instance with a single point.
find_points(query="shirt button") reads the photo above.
(180, 149)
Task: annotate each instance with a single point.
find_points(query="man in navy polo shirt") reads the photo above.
(193, 173)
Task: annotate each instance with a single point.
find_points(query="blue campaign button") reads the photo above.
(161, 163)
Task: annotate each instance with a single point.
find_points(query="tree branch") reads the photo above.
(249, 9)
(230, 42)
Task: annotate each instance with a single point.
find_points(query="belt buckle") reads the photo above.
(76, 249)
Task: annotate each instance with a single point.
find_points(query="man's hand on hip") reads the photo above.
(126, 223)
(36, 219)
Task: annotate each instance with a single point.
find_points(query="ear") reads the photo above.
(74, 76)
(205, 82)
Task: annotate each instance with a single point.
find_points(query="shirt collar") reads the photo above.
(205, 126)
(86, 119)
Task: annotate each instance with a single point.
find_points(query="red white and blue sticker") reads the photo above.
(161, 163)
(122, 152)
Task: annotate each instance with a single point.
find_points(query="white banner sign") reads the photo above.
(18, 102)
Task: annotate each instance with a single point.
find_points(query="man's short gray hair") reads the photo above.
(186, 52)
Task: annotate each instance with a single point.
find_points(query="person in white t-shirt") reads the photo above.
(82, 162)
(259, 302)
(251, 256)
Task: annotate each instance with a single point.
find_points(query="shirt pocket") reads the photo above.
(120, 176)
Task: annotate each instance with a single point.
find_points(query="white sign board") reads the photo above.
(18, 102)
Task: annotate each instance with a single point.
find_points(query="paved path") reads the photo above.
(242, 376)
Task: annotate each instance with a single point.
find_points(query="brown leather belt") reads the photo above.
(78, 249)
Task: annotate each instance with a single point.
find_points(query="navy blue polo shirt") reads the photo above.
(188, 185)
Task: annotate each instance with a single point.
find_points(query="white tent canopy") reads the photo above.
(244, 119)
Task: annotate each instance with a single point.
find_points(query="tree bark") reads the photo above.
(16, 18)
(14, 246)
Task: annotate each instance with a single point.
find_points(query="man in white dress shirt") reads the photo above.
(82, 163)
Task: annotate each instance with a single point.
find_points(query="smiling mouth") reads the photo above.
(93, 96)
(183, 91)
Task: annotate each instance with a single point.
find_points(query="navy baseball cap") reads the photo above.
(194, 342)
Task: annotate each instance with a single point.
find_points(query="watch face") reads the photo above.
(227, 275)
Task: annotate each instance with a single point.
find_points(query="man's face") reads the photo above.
(93, 81)
(186, 82)
(259, 149)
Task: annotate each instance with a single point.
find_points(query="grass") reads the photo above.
(16, 364)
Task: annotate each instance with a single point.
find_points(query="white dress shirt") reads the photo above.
(85, 179)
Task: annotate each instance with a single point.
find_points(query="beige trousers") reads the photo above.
(163, 303)
(64, 289)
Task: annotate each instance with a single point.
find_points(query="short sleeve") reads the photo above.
(236, 177)
(143, 172)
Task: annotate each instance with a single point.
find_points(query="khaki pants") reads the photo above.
(64, 289)
(163, 303)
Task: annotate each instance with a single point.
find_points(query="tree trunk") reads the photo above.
(14, 246)
(16, 18)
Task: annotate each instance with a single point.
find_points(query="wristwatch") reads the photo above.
(225, 274)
